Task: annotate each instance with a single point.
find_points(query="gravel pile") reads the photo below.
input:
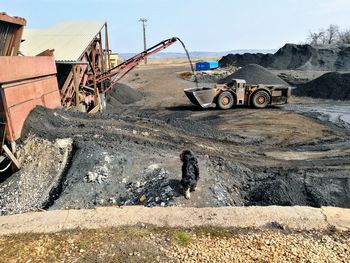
(255, 74)
(331, 85)
(123, 94)
(210, 76)
(297, 77)
(155, 189)
(37, 183)
(204, 77)
(292, 56)
(267, 246)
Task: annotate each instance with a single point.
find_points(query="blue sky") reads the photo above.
(204, 25)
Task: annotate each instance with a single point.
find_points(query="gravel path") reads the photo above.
(268, 246)
(141, 244)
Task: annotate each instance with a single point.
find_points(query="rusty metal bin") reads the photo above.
(25, 82)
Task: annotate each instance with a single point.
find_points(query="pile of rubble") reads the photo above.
(207, 76)
(255, 74)
(155, 189)
(39, 181)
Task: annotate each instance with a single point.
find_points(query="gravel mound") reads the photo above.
(38, 181)
(332, 85)
(291, 56)
(254, 74)
(210, 76)
(155, 189)
(263, 246)
(123, 94)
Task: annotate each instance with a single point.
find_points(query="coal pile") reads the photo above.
(241, 60)
(155, 189)
(292, 56)
(123, 94)
(332, 85)
(255, 74)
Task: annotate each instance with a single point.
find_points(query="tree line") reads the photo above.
(331, 35)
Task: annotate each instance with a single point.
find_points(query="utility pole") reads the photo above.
(144, 20)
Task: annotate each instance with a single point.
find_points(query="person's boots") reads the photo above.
(187, 193)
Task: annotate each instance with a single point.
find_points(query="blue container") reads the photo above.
(213, 64)
(207, 65)
(202, 66)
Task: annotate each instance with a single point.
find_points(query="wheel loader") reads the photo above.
(237, 92)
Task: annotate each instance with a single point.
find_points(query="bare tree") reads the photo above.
(344, 37)
(332, 33)
(316, 38)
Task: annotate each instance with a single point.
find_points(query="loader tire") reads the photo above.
(225, 100)
(261, 99)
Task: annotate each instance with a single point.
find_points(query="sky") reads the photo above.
(204, 25)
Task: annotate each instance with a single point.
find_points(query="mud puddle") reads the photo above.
(337, 113)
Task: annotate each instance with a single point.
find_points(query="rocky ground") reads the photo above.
(43, 164)
(129, 154)
(143, 244)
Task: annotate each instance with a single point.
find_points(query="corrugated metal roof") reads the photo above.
(69, 39)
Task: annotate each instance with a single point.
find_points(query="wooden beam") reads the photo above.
(96, 91)
(11, 156)
(66, 83)
(17, 43)
(76, 76)
(95, 109)
(107, 48)
(68, 93)
(101, 57)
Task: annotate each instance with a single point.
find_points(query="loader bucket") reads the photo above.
(203, 97)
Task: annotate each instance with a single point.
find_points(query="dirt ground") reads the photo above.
(130, 153)
(143, 244)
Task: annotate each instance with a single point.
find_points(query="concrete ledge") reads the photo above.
(337, 217)
(296, 218)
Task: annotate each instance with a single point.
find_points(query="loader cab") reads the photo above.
(236, 83)
(239, 85)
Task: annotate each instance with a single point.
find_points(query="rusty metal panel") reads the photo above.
(26, 82)
(52, 100)
(7, 32)
(15, 118)
(19, 92)
(40, 91)
(11, 29)
(19, 68)
(12, 19)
